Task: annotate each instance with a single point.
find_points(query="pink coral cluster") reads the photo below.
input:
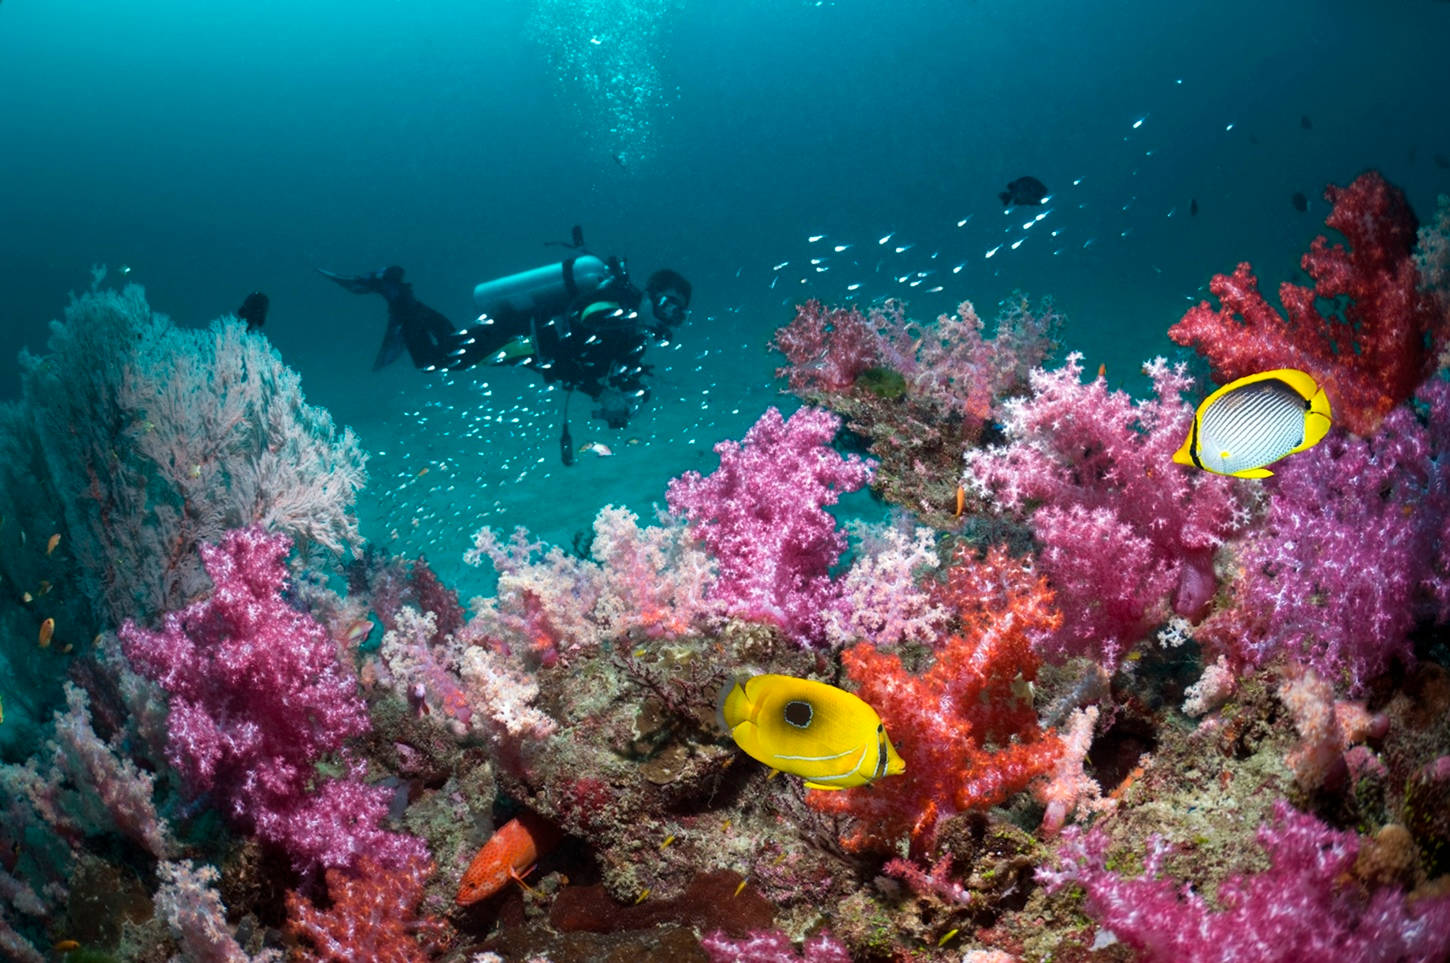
(1127, 536)
(762, 517)
(258, 699)
(773, 947)
(654, 580)
(1305, 906)
(918, 392)
(826, 349)
(1368, 356)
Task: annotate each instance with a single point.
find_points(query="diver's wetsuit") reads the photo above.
(431, 339)
(568, 349)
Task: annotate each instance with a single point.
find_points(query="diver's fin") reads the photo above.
(576, 240)
(356, 283)
(392, 347)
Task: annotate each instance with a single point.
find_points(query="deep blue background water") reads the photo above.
(215, 148)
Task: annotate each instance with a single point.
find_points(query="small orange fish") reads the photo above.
(54, 541)
(421, 472)
(1102, 370)
(65, 946)
(47, 629)
(509, 854)
(961, 501)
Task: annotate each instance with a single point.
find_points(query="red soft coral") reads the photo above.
(373, 917)
(1369, 355)
(967, 732)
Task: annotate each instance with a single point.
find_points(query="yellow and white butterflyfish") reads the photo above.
(1255, 421)
(826, 735)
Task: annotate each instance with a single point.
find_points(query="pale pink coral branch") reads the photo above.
(1070, 791)
(654, 580)
(1328, 727)
(124, 790)
(188, 902)
(882, 599)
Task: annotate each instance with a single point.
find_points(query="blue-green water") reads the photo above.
(217, 148)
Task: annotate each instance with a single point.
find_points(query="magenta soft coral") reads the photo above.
(762, 517)
(258, 698)
(1127, 537)
(1368, 357)
(1305, 906)
(969, 737)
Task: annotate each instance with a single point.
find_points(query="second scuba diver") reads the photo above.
(576, 322)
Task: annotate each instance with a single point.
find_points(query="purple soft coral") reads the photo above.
(762, 516)
(1353, 552)
(258, 697)
(1127, 536)
(1305, 906)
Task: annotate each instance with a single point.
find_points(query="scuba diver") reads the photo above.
(577, 322)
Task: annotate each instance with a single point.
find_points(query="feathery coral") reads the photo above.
(373, 916)
(1305, 906)
(1370, 355)
(258, 697)
(968, 734)
(762, 516)
(1128, 537)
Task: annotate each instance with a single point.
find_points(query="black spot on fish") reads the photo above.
(1027, 191)
(254, 310)
(1300, 202)
(798, 713)
(1305, 122)
(1193, 208)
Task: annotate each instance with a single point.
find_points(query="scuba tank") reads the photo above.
(546, 291)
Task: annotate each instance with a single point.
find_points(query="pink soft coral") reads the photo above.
(1127, 537)
(258, 698)
(1305, 906)
(762, 516)
(1370, 355)
(826, 349)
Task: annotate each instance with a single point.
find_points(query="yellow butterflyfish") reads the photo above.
(826, 735)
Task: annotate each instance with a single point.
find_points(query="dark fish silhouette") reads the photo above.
(1305, 122)
(254, 310)
(1027, 191)
(1441, 161)
(1300, 202)
(1193, 207)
